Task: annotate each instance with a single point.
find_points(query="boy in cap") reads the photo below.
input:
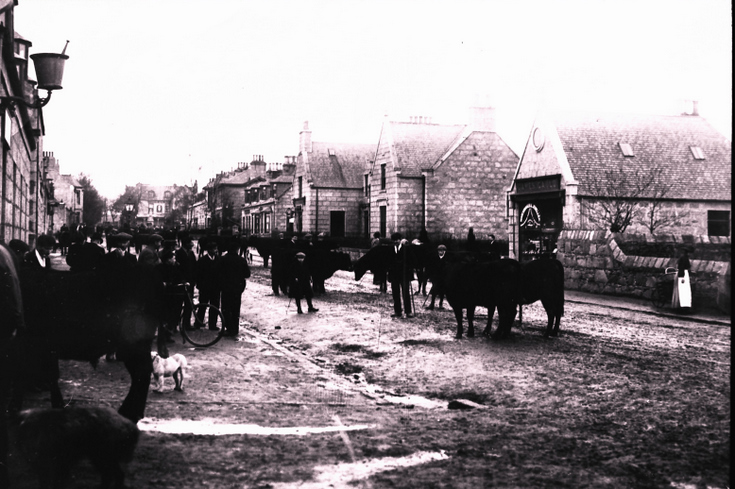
(300, 284)
(437, 270)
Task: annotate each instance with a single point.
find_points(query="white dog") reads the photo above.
(172, 366)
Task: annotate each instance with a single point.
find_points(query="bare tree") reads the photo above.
(656, 215)
(616, 195)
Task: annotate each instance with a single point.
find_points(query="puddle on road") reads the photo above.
(344, 475)
(211, 427)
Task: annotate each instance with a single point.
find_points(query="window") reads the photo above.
(273, 191)
(300, 188)
(626, 149)
(159, 208)
(150, 209)
(266, 223)
(151, 195)
(382, 177)
(366, 184)
(718, 223)
(697, 152)
(167, 195)
(383, 220)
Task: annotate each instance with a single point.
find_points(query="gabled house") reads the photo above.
(154, 204)
(329, 187)
(574, 164)
(446, 178)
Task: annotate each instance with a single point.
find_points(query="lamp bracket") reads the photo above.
(11, 101)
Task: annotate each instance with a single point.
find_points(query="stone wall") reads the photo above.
(594, 262)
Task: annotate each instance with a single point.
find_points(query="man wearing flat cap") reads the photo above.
(119, 258)
(398, 275)
(300, 283)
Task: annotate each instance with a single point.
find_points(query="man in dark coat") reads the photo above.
(91, 254)
(39, 256)
(300, 283)
(437, 274)
(207, 280)
(398, 275)
(187, 260)
(149, 255)
(233, 272)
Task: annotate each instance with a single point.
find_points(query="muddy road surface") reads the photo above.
(347, 397)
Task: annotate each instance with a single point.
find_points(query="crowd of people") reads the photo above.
(218, 272)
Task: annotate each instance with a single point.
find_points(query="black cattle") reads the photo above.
(266, 247)
(543, 280)
(492, 284)
(281, 259)
(323, 263)
(81, 316)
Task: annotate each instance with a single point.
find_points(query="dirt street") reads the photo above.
(347, 397)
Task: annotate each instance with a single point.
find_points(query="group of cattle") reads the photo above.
(474, 279)
(50, 315)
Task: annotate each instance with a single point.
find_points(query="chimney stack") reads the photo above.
(482, 119)
(305, 139)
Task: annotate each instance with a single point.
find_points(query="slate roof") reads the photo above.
(158, 190)
(591, 144)
(238, 178)
(345, 169)
(420, 146)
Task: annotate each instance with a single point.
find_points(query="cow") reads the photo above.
(378, 259)
(543, 280)
(472, 282)
(80, 316)
(322, 265)
(266, 247)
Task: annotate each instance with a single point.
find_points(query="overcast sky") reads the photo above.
(173, 91)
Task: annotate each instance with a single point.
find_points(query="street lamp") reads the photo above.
(49, 72)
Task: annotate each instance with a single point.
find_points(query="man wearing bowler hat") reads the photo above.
(398, 275)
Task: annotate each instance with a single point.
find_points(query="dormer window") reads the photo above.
(626, 149)
(697, 152)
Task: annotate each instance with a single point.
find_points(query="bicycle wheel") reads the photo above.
(658, 297)
(200, 334)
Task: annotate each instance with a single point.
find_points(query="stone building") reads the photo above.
(267, 198)
(23, 191)
(328, 187)
(252, 198)
(154, 203)
(197, 216)
(66, 201)
(447, 178)
(575, 163)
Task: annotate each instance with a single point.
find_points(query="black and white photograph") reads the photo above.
(251, 244)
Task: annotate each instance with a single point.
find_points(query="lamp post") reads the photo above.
(129, 208)
(49, 73)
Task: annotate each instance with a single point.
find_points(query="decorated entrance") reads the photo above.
(538, 203)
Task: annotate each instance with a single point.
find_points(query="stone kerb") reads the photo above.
(594, 262)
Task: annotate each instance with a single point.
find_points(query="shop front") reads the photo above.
(538, 204)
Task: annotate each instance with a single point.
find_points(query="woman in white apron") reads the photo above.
(682, 296)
